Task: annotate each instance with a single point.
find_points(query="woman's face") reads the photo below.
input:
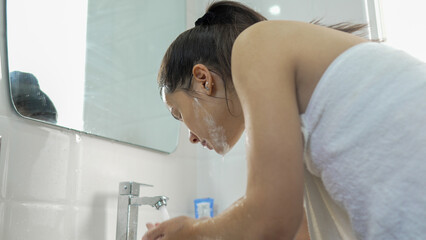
(205, 112)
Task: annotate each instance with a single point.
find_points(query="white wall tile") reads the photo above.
(69, 180)
(39, 221)
(222, 178)
(2, 216)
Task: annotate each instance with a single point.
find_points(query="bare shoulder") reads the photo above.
(262, 73)
(295, 39)
(264, 43)
(305, 50)
(264, 36)
(269, 28)
(282, 31)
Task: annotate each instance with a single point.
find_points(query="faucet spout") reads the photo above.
(156, 201)
(127, 209)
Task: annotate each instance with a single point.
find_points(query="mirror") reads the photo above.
(91, 65)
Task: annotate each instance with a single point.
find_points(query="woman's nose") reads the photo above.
(193, 138)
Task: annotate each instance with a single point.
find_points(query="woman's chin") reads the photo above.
(222, 150)
(226, 146)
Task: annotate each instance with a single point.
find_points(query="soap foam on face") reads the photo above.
(216, 133)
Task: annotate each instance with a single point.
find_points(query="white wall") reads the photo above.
(60, 184)
(404, 23)
(222, 178)
(330, 11)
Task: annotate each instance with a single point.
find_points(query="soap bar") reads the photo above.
(203, 207)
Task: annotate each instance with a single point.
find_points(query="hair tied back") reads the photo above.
(207, 19)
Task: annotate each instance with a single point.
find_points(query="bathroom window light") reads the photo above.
(404, 23)
(275, 10)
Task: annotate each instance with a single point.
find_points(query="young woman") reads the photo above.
(322, 109)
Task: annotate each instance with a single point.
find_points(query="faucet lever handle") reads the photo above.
(131, 188)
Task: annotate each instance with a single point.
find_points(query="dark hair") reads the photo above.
(29, 99)
(210, 43)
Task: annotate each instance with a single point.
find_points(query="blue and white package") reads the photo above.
(203, 207)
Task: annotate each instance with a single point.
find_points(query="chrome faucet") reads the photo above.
(127, 209)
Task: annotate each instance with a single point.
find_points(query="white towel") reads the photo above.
(365, 138)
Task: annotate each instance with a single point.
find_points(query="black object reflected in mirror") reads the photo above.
(29, 99)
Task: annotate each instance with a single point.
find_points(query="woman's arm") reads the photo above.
(264, 69)
(303, 233)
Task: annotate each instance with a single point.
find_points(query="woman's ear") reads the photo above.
(203, 79)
